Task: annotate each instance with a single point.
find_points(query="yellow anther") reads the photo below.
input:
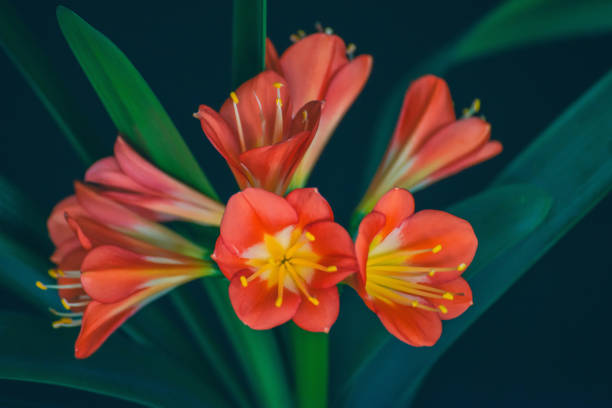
(465, 111)
(314, 301)
(196, 115)
(53, 273)
(279, 302)
(309, 236)
(436, 249)
(65, 304)
(301, 33)
(350, 49)
(476, 105)
(415, 303)
(277, 85)
(443, 309)
(294, 38)
(461, 267)
(58, 323)
(234, 97)
(244, 281)
(305, 115)
(40, 285)
(448, 296)
(279, 102)
(332, 268)
(432, 272)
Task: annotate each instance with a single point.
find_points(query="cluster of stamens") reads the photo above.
(392, 279)
(68, 318)
(301, 34)
(288, 265)
(472, 110)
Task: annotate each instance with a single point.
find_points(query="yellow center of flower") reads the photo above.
(285, 260)
(392, 277)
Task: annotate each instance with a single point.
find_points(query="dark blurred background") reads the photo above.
(545, 343)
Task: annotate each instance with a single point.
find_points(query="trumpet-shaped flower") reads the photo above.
(284, 257)
(317, 67)
(112, 262)
(259, 134)
(429, 143)
(130, 179)
(410, 266)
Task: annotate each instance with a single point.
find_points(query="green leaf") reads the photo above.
(31, 351)
(248, 40)
(518, 23)
(130, 102)
(393, 366)
(256, 350)
(22, 48)
(572, 162)
(310, 367)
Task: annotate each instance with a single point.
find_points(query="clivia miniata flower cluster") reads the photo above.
(283, 253)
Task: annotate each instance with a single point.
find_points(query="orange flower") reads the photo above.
(316, 67)
(410, 266)
(429, 143)
(130, 179)
(284, 257)
(112, 262)
(258, 133)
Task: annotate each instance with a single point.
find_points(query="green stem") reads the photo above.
(311, 367)
(248, 40)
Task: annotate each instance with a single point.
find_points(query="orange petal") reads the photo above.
(411, 325)
(461, 300)
(107, 172)
(310, 206)
(481, 154)
(309, 64)
(370, 226)
(227, 260)
(252, 213)
(427, 107)
(451, 143)
(255, 304)
(111, 274)
(319, 318)
(272, 60)
(396, 205)
(429, 228)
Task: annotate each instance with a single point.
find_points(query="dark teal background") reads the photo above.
(545, 342)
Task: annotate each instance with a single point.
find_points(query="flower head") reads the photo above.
(112, 262)
(410, 266)
(320, 67)
(429, 143)
(284, 257)
(130, 179)
(259, 134)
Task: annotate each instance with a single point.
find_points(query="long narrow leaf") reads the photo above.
(571, 161)
(20, 45)
(130, 102)
(31, 351)
(248, 40)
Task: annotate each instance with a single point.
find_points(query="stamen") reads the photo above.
(69, 305)
(281, 286)
(472, 110)
(244, 281)
(443, 309)
(309, 236)
(314, 265)
(65, 314)
(301, 33)
(262, 120)
(234, 98)
(397, 257)
(318, 27)
(350, 50)
(42, 286)
(277, 135)
(437, 249)
(66, 322)
(462, 267)
(294, 38)
(329, 30)
(299, 282)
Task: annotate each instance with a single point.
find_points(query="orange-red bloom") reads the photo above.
(429, 143)
(410, 266)
(317, 68)
(112, 262)
(130, 179)
(284, 257)
(259, 133)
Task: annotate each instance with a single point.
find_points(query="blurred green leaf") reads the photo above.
(518, 23)
(31, 351)
(248, 40)
(256, 350)
(132, 105)
(310, 367)
(572, 162)
(501, 217)
(23, 49)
